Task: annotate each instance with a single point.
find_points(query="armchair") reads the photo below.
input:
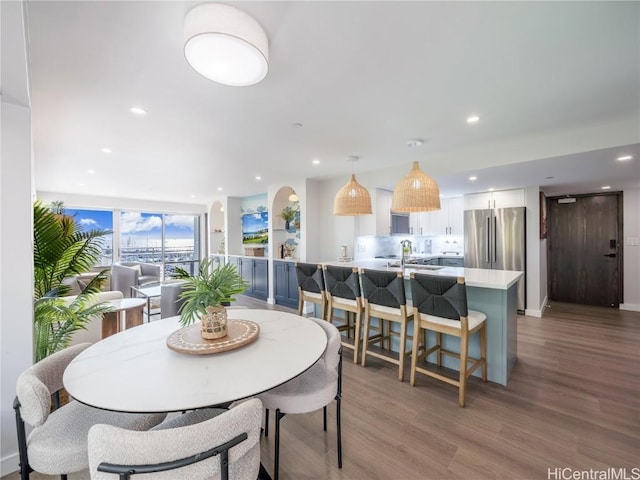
(125, 275)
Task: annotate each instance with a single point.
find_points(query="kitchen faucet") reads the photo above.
(406, 247)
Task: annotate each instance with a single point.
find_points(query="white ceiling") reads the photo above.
(550, 80)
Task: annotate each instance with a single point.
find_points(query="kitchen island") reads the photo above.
(492, 292)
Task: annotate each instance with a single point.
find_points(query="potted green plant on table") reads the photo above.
(205, 295)
(60, 251)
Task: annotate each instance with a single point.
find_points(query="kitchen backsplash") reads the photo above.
(388, 245)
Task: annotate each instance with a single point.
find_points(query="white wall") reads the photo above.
(536, 289)
(631, 232)
(16, 257)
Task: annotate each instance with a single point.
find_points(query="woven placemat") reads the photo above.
(189, 340)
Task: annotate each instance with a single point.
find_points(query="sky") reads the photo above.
(138, 228)
(254, 222)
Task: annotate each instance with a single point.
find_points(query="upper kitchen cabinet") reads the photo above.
(383, 212)
(449, 220)
(498, 199)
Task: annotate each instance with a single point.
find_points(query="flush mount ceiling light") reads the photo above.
(353, 199)
(225, 45)
(293, 197)
(417, 192)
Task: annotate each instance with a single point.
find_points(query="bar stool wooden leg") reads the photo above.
(365, 343)
(439, 351)
(300, 303)
(401, 350)
(483, 350)
(414, 351)
(464, 347)
(356, 339)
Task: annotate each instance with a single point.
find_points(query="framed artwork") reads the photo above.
(543, 216)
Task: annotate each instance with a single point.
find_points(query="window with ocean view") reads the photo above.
(172, 240)
(96, 220)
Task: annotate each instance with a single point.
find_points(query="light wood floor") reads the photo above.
(573, 401)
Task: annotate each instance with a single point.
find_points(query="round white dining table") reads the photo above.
(135, 371)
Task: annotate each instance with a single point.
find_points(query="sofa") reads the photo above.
(125, 275)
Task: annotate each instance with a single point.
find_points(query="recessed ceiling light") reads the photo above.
(606, 187)
(106, 150)
(415, 142)
(91, 171)
(549, 178)
(473, 178)
(258, 177)
(219, 189)
(624, 158)
(81, 184)
(193, 196)
(492, 189)
(296, 125)
(316, 162)
(138, 111)
(473, 119)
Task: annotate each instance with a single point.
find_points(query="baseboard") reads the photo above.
(531, 312)
(9, 464)
(630, 307)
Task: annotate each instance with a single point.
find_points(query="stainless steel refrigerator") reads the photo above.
(495, 239)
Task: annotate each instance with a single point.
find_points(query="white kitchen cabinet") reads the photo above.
(383, 211)
(497, 199)
(418, 223)
(449, 220)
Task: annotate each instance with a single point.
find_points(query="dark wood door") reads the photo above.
(585, 264)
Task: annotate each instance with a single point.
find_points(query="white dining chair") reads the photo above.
(314, 389)
(57, 445)
(202, 444)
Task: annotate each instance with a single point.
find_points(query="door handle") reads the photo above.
(612, 255)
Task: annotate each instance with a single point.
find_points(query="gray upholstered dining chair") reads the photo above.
(170, 301)
(185, 446)
(440, 305)
(385, 299)
(57, 445)
(314, 389)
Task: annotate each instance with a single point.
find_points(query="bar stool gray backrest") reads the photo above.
(439, 296)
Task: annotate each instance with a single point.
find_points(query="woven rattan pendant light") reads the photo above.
(352, 199)
(417, 192)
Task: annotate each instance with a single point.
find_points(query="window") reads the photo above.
(172, 240)
(181, 245)
(96, 220)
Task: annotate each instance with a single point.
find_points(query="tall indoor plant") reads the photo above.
(205, 293)
(60, 251)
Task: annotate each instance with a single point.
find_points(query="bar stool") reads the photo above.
(385, 299)
(311, 286)
(343, 292)
(441, 306)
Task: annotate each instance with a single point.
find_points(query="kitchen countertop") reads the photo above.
(474, 277)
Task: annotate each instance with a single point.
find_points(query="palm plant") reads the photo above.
(61, 250)
(211, 287)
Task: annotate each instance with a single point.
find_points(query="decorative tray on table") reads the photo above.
(189, 340)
